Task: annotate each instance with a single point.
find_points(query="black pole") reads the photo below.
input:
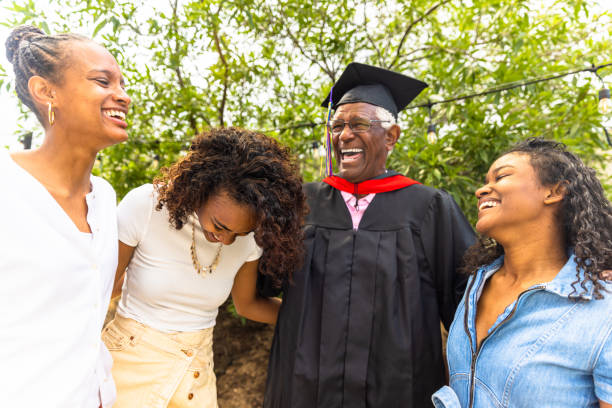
(26, 140)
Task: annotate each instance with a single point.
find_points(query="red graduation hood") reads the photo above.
(380, 185)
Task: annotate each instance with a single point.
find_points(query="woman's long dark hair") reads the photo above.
(585, 213)
(255, 170)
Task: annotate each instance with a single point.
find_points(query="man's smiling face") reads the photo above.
(360, 156)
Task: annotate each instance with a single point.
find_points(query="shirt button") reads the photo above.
(190, 396)
(196, 374)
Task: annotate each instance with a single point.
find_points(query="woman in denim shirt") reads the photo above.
(534, 328)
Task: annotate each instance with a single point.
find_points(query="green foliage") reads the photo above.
(267, 65)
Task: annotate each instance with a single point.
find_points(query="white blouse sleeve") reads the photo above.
(255, 250)
(134, 214)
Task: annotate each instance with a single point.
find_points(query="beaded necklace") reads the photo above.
(194, 256)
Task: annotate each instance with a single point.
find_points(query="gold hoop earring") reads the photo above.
(51, 114)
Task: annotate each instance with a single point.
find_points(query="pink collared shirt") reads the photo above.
(358, 210)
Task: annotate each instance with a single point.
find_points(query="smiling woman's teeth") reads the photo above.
(487, 204)
(115, 114)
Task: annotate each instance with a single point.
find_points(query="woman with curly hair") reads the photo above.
(231, 208)
(58, 226)
(535, 326)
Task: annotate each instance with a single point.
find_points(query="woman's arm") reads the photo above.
(125, 256)
(244, 294)
(604, 404)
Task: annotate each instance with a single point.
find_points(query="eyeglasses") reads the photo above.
(357, 125)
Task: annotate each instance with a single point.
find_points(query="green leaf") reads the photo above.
(100, 25)
(45, 27)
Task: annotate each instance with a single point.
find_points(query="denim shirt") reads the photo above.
(547, 349)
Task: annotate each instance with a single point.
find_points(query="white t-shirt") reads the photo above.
(55, 286)
(162, 288)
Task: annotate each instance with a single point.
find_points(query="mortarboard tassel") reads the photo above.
(328, 145)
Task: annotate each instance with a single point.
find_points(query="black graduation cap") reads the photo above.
(376, 86)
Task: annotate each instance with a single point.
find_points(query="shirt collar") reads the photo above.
(563, 284)
(350, 199)
(485, 273)
(560, 285)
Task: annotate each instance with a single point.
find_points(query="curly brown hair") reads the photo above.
(255, 170)
(586, 214)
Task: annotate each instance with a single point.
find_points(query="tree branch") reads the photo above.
(303, 52)
(296, 126)
(177, 67)
(409, 28)
(221, 109)
(324, 18)
(369, 37)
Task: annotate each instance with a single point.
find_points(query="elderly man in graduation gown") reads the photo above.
(359, 324)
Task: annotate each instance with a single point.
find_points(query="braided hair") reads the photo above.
(32, 52)
(585, 214)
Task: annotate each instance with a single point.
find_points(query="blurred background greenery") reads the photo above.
(268, 64)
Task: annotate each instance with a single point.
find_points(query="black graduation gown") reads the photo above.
(359, 325)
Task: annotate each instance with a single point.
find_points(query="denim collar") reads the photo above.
(560, 285)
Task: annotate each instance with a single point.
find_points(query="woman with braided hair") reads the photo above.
(233, 207)
(534, 328)
(58, 235)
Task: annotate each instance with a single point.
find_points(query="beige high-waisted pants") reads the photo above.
(153, 369)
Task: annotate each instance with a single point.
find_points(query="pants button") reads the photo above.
(190, 396)
(196, 374)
